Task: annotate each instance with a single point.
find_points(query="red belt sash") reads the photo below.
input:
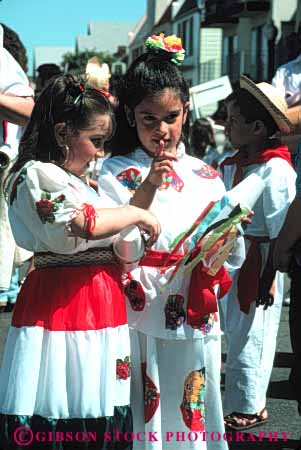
(249, 274)
(201, 297)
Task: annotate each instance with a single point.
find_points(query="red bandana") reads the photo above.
(257, 158)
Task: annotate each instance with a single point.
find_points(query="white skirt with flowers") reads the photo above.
(67, 358)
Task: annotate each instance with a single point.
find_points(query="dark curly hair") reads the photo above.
(64, 99)
(147, 76)
(13, 44)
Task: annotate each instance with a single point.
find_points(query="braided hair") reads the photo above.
(64, 99)
(147, 76)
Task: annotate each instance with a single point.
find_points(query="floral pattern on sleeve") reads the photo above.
(130, 178)
(206, 171)
(172, 179)
(46, 207)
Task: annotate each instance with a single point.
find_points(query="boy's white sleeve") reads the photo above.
(278, 194)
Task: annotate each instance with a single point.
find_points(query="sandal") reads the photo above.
(240, 421)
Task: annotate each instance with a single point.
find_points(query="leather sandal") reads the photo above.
(240, 421)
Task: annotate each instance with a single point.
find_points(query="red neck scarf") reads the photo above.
(256, 158)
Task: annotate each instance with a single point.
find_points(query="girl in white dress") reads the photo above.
(175, 339)
(66, 369)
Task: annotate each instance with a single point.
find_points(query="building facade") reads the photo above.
(183, 18)
(253, 34)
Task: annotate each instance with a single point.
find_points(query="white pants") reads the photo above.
(251, 340)
(169, 362)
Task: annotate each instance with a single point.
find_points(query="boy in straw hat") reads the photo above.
(250, 313)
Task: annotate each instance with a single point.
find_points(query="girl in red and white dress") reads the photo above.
(66, 365)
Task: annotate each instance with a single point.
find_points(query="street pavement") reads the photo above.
(282, 409)
(283, 415)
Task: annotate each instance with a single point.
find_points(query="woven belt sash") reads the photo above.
(93, 256)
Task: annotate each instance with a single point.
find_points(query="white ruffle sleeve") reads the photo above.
(43, 200)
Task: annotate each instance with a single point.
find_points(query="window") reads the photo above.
(231, 57)
(259, 54)
(185, 31)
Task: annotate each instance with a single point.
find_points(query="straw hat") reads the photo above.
(271, 100)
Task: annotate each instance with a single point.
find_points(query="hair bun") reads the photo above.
(169, 45)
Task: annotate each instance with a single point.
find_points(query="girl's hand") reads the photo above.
(162, 164)
(149, 223)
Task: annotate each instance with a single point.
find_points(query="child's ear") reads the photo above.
(259, 126)
(60, 133)
(185, 111)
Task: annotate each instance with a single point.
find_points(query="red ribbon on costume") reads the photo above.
(249, 274)
(90, 217)
(201, 297)
(257, 158)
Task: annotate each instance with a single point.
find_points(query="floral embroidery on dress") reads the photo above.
(130, 178)
(20, 178)
(151, 395)
(206, 171)
(174, 312)
(47, 207)
(123, 368)
(207, 327)
(135, 293)
(193, 404)
(172, 179)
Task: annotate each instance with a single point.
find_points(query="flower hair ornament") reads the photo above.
(171, 44)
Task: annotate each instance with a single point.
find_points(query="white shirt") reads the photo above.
(287, 80)
(271, 208)
(13, 81)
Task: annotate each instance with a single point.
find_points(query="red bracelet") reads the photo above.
(90, 217)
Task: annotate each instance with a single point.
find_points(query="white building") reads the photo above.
(250, 31)
(105, 36)
(49, 55)
(183, 18)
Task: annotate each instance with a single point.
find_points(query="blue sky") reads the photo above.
(58, 22)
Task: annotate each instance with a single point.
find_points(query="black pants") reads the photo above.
(295, 331)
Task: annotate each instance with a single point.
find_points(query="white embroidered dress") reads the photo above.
(170, 351)
(67, 351)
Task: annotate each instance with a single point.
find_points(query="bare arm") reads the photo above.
(112, 221)
(15, 109)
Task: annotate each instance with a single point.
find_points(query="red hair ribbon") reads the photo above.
(104, 92)
(90, 217)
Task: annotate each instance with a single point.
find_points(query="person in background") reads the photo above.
(203, 143)
(287, 78)
(66, 365)
(16, 103)
(45, 73)
(250, 313)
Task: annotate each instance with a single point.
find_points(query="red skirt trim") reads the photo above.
(72, 299)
